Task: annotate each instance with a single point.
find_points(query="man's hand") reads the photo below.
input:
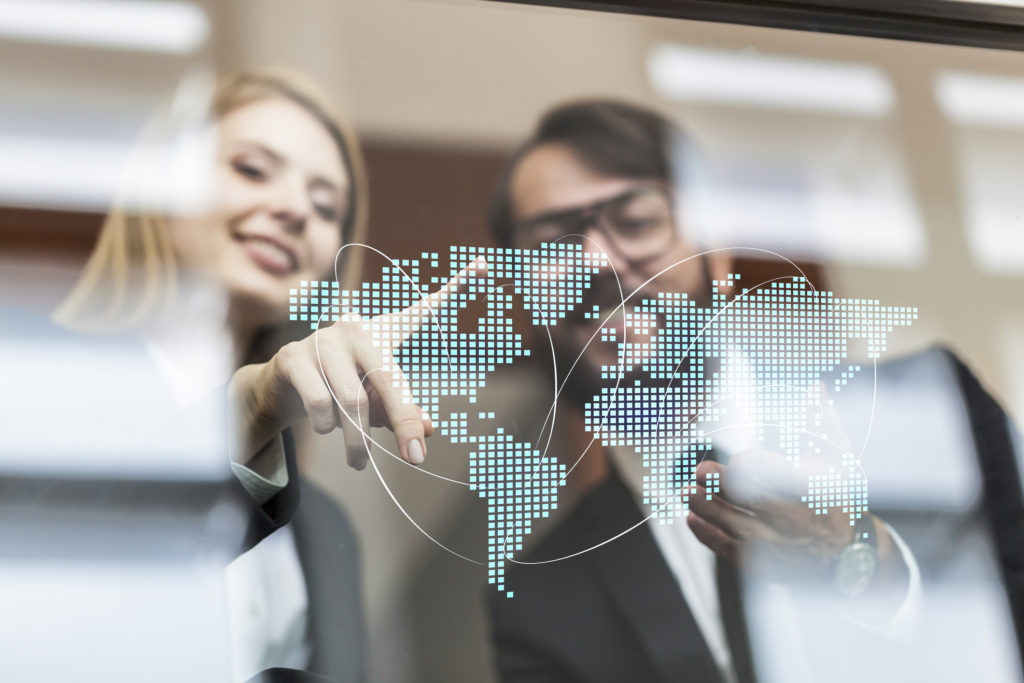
(759, 502)
(759, 510)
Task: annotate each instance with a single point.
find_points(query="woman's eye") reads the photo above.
(328, 213)
(324, 203)
(249, 170)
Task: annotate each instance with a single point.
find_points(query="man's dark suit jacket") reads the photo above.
(613, 614)
(329, 554)
(617, 613)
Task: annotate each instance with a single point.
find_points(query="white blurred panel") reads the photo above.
(113, 621)
(991, 168)
(797, 155)
(172, 27)
(912, 431)
(987, 112)
(752, 79)
(975, 99)
(795, 211)
(96, 407)
(80, 80)
(962, 632)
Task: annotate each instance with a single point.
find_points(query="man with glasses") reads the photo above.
(602, 174)
(662, 601)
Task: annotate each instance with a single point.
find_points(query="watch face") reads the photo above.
(855, 568)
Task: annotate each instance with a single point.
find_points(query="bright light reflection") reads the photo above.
(753, 79)
(168, 27)
(981, 99)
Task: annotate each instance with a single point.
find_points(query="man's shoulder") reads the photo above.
(596, 515)
(575, 609)
(557, 590)
(559, 567)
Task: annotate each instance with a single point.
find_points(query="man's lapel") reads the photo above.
(644, 591)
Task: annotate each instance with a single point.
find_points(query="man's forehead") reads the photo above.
(552, 177)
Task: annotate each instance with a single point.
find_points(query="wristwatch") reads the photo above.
(855, 567)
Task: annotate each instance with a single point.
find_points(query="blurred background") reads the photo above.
(892, 169)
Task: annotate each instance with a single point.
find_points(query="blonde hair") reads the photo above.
(132, 272)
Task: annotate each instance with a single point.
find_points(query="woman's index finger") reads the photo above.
(417, 314)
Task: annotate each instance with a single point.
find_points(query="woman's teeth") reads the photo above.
(270, 254)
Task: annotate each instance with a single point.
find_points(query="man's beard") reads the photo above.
(579, 371)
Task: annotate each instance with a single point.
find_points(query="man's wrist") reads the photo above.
(882, 598)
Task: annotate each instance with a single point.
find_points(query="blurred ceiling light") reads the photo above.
(165, 27)
(981, 99)
(752, 79)
(830, 222)
(988, 112)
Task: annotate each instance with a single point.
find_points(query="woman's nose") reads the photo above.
(291, 206)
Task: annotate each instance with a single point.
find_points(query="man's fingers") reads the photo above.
(710, 468)
(714, 538)
(755, 480)
(714, 475)
(759, 497)
(729, 518)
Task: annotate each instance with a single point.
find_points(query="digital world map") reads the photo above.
(764, 350)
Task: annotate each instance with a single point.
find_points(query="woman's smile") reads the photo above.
(269, 253)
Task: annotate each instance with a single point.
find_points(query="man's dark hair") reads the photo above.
(609, 136)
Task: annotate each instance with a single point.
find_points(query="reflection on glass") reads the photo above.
(888, 171)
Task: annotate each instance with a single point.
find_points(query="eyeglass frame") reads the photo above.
(590, 215)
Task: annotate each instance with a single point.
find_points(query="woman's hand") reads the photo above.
(268, 397)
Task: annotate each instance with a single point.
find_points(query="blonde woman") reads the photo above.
(289, 188)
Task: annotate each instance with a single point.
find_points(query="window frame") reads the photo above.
(949, 22)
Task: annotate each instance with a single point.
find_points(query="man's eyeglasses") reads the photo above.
(639, 223)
